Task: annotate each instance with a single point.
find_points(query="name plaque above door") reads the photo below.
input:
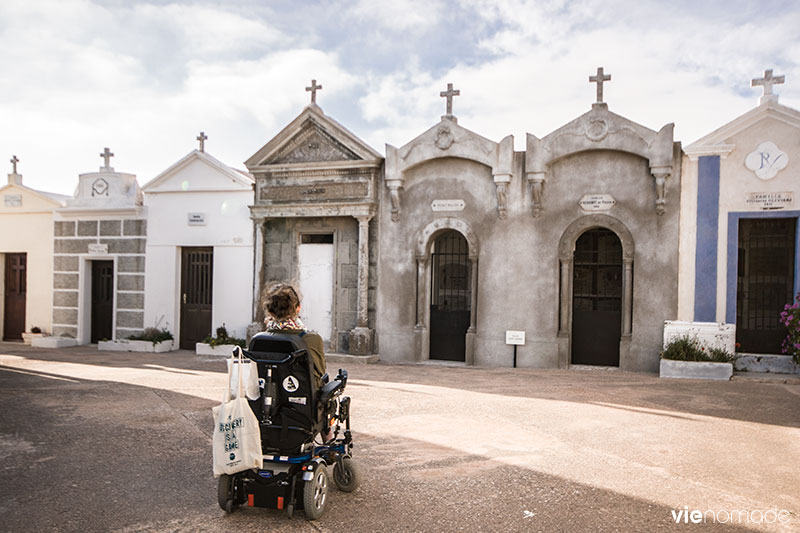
(768, 201)
(448, 205)
(98, 249)
(597, 202)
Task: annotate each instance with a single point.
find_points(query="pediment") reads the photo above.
(312, 144)
(199, 171)
(313, 137)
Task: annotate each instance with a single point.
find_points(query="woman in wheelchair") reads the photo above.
(282, 304)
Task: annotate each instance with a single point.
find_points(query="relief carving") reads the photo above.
(444, 138)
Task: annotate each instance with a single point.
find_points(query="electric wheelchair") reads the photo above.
(304, 431)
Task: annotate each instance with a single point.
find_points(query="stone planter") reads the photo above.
(53, 342)
(695, 370)
(126, 345)
(222, 350)
(27, 338)
(766, 363)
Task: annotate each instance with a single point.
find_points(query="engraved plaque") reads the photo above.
(316, 192)
(12, 200)
(100, 249)
(448, 205)
(769, 201)
(597, 202)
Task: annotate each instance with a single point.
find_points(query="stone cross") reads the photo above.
(599, 79)
(14, 162)
(202, 138)
(767, 82)
(107, 155)
(449, 94)
(313, 90)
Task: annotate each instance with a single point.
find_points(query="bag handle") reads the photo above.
(237, 358)
(240, 356)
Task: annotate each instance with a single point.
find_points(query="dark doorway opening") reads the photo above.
(197, 269)
(102, 300)
(15, 293)
(765, 282)
(597, 298)
(450, 297)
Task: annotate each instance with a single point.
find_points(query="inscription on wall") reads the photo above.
(597, 202)
(448, 205)
(769, 201)
(315, 192)
(12, 200)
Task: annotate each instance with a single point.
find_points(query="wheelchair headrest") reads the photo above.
(275, 346)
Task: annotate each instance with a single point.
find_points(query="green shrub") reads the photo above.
(685, 348)
(222, 338)
(153, 335)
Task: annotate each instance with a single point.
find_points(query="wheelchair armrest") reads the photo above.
(329, 390)
(325, 378)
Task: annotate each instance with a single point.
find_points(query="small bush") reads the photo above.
(222, 338)
(153, 335)
(685, 348)
(36, 329)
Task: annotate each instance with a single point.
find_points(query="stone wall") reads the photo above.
(125, 239)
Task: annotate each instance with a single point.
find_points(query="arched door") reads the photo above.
(597, 298)
(450, 296)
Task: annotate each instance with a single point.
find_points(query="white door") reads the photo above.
(316, 287)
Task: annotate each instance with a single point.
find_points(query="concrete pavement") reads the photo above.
(101, 441)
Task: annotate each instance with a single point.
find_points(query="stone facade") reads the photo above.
(316, 183)
(103, 222)
(521, 216)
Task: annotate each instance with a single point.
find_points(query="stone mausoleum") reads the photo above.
(316, 190)
(99, 258)
(572, 242)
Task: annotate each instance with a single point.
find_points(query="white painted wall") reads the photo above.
(29, 229)
(228, 229)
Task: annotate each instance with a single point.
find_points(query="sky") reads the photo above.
(145, 77)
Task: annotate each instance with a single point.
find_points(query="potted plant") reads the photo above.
(221, 344)
(151, 340)
(686, 357)
(35, 333)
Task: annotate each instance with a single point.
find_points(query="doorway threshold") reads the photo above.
(442, 362)
(594, 367)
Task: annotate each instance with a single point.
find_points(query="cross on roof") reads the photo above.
(313, 89)
(107, 155)
(767, 82)
(449, 94)
(14, 162)
(202, 138)
(599, 79)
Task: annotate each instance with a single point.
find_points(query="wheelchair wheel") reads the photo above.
(315, 494)
(225, 493)
(346, 474)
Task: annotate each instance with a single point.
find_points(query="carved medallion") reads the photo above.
(100, 187)
(766, 161)
(444, 139)
(596, 130)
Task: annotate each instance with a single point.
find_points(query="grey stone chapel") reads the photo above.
(455, 239)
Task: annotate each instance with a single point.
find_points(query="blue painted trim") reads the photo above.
(705, 258)
(733, 254)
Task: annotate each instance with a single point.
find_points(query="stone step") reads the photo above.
(332, 359)
(763, 377)
(766, 363)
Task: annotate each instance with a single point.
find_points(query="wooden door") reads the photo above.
(765, 282)
(451, 297)
(15, 291)
(197, 269)
(597, 299)
(102, 300)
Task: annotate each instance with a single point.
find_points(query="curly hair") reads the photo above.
(281, 301)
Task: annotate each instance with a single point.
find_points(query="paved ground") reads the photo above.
(98, 441)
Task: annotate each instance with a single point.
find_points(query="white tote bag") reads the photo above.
(237, 436)
(249, 376)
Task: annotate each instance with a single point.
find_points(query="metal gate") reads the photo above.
(14, 301)
(102, 300)
(197, 269)
(597, 299)
(450, 297)
(765, 282)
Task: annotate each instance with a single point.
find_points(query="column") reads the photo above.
(422, 263)
(361, 335)
(627, 296)
(473, 308)
(258, 262)
(566, 302)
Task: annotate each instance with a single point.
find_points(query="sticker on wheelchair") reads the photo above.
(298, 399)
(290, 384)
(261, 383)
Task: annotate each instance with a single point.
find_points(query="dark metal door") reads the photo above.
(597, 299)
(197, 265)
(102, 300)
(15, 286)
(765, 282)
(450, 297)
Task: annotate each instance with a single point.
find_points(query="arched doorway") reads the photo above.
(450, 297)
(597, 297)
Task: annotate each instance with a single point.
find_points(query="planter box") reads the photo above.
(28, 337)
(773, 364)
(695, 370)
(708, 334)
(222, 350)
(126, 345)
(53, 342)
